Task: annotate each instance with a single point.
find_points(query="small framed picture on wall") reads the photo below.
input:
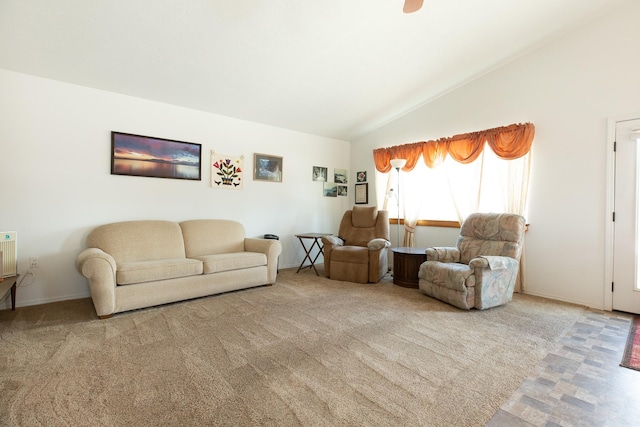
(330, 189)
(320, 173)
(340, 176)
(267, 167)
(362, 194)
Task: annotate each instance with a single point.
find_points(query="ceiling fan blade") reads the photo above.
(411, 5)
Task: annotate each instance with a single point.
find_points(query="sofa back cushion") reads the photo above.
(212, 236)
(139, 240)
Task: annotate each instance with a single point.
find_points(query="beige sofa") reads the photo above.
(136, 264)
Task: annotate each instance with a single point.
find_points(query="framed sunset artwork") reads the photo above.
(137, 155)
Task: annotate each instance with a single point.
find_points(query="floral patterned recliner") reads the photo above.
(480, 272)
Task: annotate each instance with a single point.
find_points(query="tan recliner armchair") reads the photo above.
(359, 252)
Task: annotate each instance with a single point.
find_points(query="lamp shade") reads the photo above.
(398, 163)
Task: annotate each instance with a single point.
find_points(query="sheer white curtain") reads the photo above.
(411, 200)
(399, 186)
(453, 190)
(517, 184)
(424, 194)
(491, 184)
(465, 185)
(517, 190)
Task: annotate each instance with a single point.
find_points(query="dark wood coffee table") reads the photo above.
(406, 264)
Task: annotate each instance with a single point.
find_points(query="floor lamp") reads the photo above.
(398, 164)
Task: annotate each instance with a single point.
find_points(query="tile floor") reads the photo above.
(581, 382)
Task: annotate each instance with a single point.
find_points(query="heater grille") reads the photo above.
(8, 247)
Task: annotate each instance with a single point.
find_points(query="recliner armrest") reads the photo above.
(376, 244)
(443, 254)
(332, 240)
(493, 262)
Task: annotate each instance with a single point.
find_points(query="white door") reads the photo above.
(626, 287)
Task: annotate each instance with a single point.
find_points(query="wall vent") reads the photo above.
(8, 247)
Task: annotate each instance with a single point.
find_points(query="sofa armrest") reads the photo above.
(443, 254)
(271, 248)
(266, 246)
(100, 270)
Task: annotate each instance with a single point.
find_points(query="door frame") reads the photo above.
(610, 205)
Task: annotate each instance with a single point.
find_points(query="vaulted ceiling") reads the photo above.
(336, 68)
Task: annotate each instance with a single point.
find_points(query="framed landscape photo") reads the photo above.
(138, 155)
(362, 194)
(330, 189)
(267, 168)
(340, 176)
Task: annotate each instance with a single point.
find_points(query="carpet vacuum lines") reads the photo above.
(308, 351)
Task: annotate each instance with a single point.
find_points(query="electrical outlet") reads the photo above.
(33, 262)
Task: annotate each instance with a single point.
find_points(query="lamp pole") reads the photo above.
(398, 164)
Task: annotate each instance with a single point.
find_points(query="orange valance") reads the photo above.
(508, 142)
(409, 152)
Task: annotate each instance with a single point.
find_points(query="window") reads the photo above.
(447, 179)
(440, 193)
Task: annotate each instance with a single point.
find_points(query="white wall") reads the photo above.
(56, 182)
(568, 89)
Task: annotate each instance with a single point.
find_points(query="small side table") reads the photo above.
(406, 264)
(9, 284)
(316, 237)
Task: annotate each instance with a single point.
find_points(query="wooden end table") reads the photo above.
(406, 264)
(9, 284)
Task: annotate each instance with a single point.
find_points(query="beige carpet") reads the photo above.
(307, 351)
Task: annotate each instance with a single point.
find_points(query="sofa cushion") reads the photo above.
(212, 236)
(139, 240)
(231, 261)
(161, 269)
